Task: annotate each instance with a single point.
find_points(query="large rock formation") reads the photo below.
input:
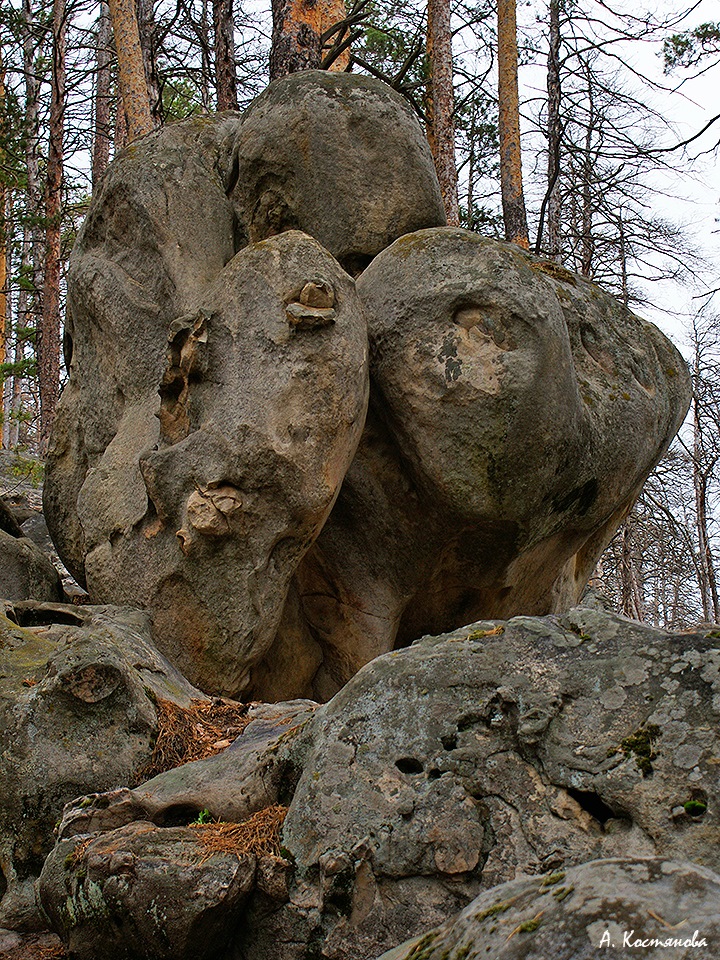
(515, 412)
(218, 392)
(25, 571)
(449, 767)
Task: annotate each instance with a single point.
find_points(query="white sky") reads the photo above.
(691, 195)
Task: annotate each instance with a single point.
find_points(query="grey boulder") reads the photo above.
(339, 156)
(78, 694)
(26, 573)
(516, 410)
(606, 908)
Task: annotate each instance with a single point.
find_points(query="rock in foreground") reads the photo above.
(440, 770)
(607, 908)
(79, 693)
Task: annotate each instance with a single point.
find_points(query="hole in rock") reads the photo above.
(409, 765)
(593, 804)
(32, 617)
(468, 720)
(3, 885)
(355, 263)
(449, 741)
(434, 774)
(178, 816)
(289, 778)
(67, 346)
(580, 499)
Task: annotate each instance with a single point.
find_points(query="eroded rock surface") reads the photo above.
(78, 714)
(516, 410)
(339, 156)
(143, 884)
(219, 382)
(25, 571)
(608, 908)
(452, 766)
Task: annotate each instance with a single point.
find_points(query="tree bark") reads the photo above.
(3, 232)
(146, 29)
(297, 37)
(131, 69)
(513, 201)
(48, 333)
(471, 173)
(32, 162)
(102, 134)
(441, 105)
(708, 579)
(554, 133)
(587, 243)
(632, 598)
(225, 79)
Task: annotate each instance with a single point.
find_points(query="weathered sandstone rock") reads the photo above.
(25, 571)
(146, 890)
(339, 156)
(516, 410)
(218, 393)
(451, 766)
(607, 908)
(78, 691)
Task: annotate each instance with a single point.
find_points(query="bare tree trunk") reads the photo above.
(708, 578)
(146, 30)
(225, 79)
(632, 599)
(625, 290)
(297, 37)
(48, 333)
(441, 105)
(471, 173)
(131, 69)
(587, 246)
(554, 133)
(102, 133)
(3, 231)
(32, 163)
(513, 201)
(205, 68)
(21, 324)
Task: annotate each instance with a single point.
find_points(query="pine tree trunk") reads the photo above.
(34, 194)
(131, 69)
(146, 29)
(3, 231)
(225, 80)
(48, 334)
(102, 134)
(298, 26)
(554, 133)
(441, 105)
(513, 201)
